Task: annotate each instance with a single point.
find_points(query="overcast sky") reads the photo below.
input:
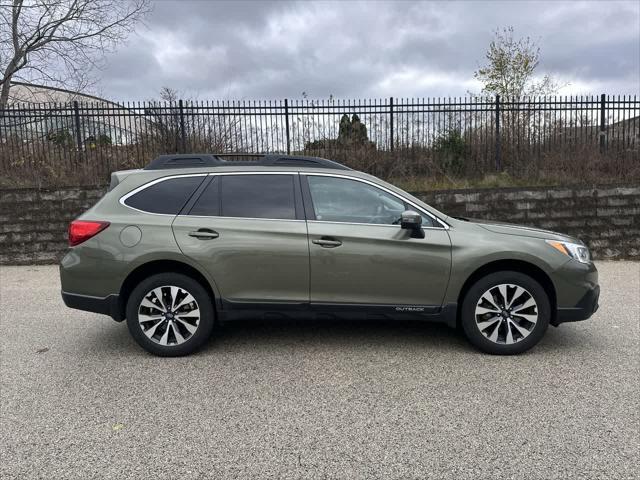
(270, 50)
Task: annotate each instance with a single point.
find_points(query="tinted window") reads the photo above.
(343, 200)
(168, 196)
(208, 203)
(257, 196)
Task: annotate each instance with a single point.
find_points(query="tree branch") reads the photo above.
(58, 36)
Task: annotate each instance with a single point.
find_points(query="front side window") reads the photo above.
(350, 201)
(257, 196)
(166, 197)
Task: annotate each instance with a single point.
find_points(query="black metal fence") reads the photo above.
(542, 137)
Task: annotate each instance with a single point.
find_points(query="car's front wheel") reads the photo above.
(505, 313)
(170, 314)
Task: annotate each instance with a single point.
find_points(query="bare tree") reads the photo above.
(60, 42)
(194, 126)
(510, 68)
(168, 94)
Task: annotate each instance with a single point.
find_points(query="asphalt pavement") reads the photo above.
(294, 399)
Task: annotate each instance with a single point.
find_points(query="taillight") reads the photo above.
(82, 230)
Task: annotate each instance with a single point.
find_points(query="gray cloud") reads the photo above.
(255, 50)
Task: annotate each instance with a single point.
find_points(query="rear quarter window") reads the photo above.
(166, 197)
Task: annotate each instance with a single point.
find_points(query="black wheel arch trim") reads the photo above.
(512, 264)
(168, 265)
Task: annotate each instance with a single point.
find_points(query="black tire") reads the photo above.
(471, 299)
(188, 284)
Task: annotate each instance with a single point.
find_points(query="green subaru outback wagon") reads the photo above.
(195, 240)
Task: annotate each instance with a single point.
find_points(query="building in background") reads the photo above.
(66, 117)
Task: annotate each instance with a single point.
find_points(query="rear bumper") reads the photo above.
(583, 310)
(108, 305)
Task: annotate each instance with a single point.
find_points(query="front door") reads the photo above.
(248, 231)
(359, 255)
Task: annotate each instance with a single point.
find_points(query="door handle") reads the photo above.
(327, 242)
(204, 234)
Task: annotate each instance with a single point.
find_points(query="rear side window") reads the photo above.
(168, 196)
(257, 196)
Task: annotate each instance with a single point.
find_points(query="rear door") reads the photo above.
(248, 231)
(359, 255)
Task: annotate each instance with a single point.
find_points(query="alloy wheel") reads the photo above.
(169, 315)
(506, 314)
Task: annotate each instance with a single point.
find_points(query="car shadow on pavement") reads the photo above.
(569, 338)
(270, 334)
(351, 336)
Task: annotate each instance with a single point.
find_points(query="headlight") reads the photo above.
(573, 250)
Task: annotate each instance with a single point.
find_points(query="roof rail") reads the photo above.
(240, 159)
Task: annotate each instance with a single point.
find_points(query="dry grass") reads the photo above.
(413, 168)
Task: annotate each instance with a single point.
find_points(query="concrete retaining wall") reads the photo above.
(33, 223)
(607, 218)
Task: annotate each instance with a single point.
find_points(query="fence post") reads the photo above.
(498, 142)
(391, 122)
(183, 139)
(603, 128)
(286, 123)
(76, 115)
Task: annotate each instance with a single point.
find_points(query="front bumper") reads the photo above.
(108, 305)
(586, 307)
(577, 292)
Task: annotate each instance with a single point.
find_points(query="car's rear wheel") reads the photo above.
(170, 314)
(505, 313)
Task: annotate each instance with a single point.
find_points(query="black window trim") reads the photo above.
(196, 195)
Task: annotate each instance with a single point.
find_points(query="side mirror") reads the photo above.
(411, 220)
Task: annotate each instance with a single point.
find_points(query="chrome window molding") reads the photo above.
(244, 218)
(124, 198)
(370, 224)
(253, 172)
